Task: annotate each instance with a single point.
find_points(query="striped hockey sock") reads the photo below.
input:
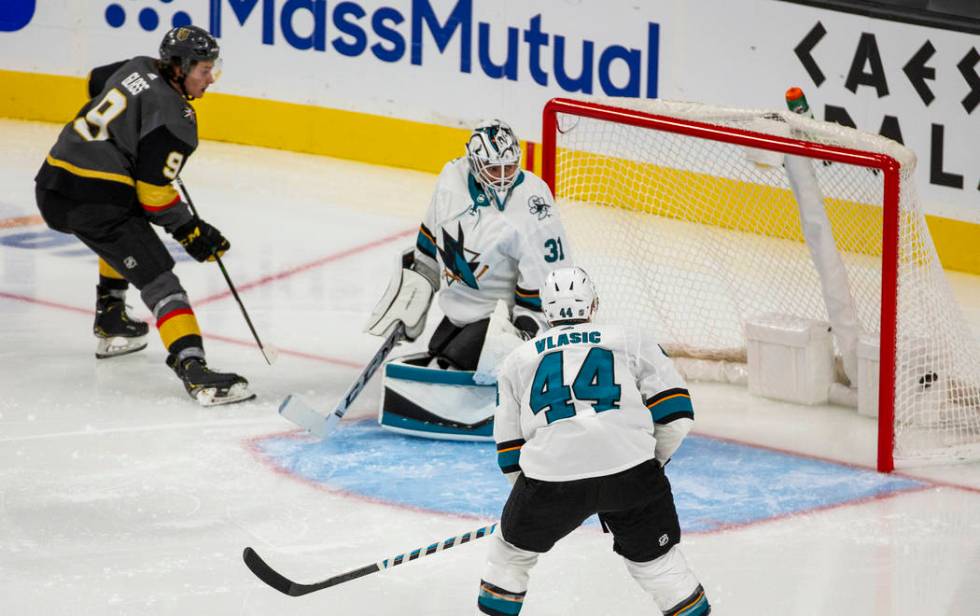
(496, 601)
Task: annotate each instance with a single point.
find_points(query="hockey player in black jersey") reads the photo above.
(109, 176)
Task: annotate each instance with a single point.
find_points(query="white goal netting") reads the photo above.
(690, 236)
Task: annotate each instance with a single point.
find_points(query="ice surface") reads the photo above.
(119, 495)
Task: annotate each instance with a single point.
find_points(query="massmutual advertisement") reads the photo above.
(449, 63)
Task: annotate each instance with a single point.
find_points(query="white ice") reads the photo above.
(119, 495)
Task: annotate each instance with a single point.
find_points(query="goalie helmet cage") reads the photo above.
(685, 216)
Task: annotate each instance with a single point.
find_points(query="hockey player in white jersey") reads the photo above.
(491, 234)
(587, 417)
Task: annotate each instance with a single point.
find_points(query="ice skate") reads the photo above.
(210, 388)
(117, 332)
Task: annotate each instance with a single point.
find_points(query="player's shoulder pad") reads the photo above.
(165, 106)
(145, 65)
(100, 75)
(532, 198)
(455, 173)
(454, 178)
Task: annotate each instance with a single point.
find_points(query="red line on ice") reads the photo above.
(21, 221)
(236, 341)
(299, 269)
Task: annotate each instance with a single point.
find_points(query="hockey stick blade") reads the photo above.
(276, 580)
(321, 426)
(303, 415)
(267, 574)
(270, 353)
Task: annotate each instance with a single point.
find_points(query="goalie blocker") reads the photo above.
(406, 299)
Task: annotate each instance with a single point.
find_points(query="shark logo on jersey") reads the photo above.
(539, 207)
(458, 267)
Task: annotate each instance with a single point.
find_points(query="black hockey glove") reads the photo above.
(526, 326)
(201, 240)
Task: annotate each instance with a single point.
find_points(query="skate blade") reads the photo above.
(209, 396)
(118, 345)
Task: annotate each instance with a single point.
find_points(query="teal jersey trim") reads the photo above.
(476, 193)
(509, 461)
(479, 196)
(509, 454)
(667, 410)
(527, 299)
(424, 242)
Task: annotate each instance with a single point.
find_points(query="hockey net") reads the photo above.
(688, 219)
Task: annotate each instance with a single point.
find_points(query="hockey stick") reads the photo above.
(297, 411)
(294, 589)
(270, 354)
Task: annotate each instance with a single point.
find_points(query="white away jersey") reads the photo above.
(588, 400)
(487, 254)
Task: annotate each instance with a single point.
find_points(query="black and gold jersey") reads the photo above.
(127, 143)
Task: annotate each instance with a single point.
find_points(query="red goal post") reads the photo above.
(655, 147)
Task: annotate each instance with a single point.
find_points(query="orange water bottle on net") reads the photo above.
(796, 102)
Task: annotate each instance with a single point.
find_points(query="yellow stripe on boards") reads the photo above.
(36, 96)
(425, 147)
(331, 132)
(708, 199)
(956, 242)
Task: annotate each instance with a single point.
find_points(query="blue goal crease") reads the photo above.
(716, 484)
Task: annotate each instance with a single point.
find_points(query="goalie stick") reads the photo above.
(294, 589)
(303, 415)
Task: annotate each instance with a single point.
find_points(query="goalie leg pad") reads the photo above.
(433, 403)
(406, 299)
(671, 583)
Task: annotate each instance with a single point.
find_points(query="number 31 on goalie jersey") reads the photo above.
(595, 382)
(556, 252)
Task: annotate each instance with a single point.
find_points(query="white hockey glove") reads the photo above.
(406, 299)
(502, 338)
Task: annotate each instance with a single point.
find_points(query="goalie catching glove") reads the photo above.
(201, 240)
(406, 299)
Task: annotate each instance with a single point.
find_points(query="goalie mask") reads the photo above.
(568, 295)
(494, 154)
